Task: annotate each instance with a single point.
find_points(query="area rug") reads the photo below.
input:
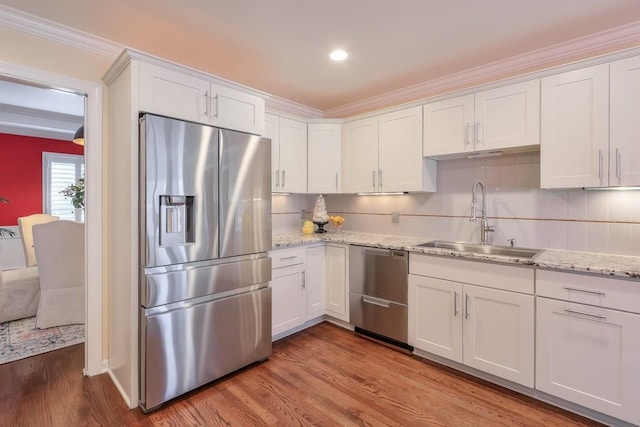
(20, 339)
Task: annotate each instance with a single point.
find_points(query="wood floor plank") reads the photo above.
(323, 376)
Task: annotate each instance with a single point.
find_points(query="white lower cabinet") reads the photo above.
(315, 279)
(589, 354)
(308, 282)
(486, 328)
(336, 289)
(288, 308)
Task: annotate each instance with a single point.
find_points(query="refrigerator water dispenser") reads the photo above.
(176, 220)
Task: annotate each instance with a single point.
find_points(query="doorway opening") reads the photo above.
(91, 94)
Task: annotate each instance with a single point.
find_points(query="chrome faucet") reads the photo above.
(484, 226)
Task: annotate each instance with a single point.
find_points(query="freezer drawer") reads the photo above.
(186, 345)
(382, 317)
(183, 282)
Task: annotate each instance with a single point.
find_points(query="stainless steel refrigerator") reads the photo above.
(205, 229)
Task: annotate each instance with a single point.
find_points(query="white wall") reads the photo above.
(591, 221)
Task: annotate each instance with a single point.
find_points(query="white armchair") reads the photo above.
(25, 225)
(59, 248)
(19, 292)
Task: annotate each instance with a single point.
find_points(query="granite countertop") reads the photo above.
(585, 262)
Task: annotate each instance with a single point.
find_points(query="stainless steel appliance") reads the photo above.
(205, 229)
(378, 293)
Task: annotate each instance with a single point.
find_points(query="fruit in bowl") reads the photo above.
(337, 221)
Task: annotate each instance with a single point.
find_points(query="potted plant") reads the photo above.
(76, 193)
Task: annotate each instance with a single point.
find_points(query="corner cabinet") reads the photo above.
(504, 118)
(324, 158)
(186, 95)
(384, 154)
(477, 314)
(587, 346)
(288, 153)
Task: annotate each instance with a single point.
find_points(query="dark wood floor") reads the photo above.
(321, 376)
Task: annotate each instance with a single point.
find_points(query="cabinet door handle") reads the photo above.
(455, 304)
(376, 301)
(600, 165)
(304, 284)
(283, 177)
(477, 138)
(288, 257)
(618, 171)
(585, 291)
(336, 180)
(467, 129)
(217, 106)
(466, 306)
(579, 313)
(374, 180)
(380, 179)
(206, 103)
(277, 178)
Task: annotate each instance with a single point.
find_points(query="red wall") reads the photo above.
(21, 173)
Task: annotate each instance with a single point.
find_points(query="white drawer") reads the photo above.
(506, 277)
(586, 289)
(287, 257)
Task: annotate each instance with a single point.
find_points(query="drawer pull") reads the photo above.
(288, 257)
(584, 291)
(595, 316)
(376, 301)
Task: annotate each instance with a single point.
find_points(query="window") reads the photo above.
(58, 172)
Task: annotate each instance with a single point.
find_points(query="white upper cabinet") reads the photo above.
(624, 148)
(383, 154)
(324, 158)
(185, 95)
(360, 155)
(288, 153)
(504, 118)
(400, 161)
(171, 93)
(272, 131)
(448, 126)
(575, 129)
(233, 109)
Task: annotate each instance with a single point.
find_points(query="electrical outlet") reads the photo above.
(302, 214)
(395, 217)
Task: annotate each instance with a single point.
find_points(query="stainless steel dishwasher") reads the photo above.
(378, 292)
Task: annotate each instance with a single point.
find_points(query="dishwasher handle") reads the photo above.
(385, 252)
(376, 301)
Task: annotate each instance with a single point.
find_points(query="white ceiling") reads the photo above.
(40, 112)
(282, 46)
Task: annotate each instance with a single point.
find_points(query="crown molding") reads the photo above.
(561, 53)
(30, 24)
(282, 105)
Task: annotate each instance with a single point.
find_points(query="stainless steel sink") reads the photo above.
(482, 249)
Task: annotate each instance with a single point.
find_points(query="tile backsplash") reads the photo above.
(591, 221)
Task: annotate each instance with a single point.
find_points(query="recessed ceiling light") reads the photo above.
(338, 55)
